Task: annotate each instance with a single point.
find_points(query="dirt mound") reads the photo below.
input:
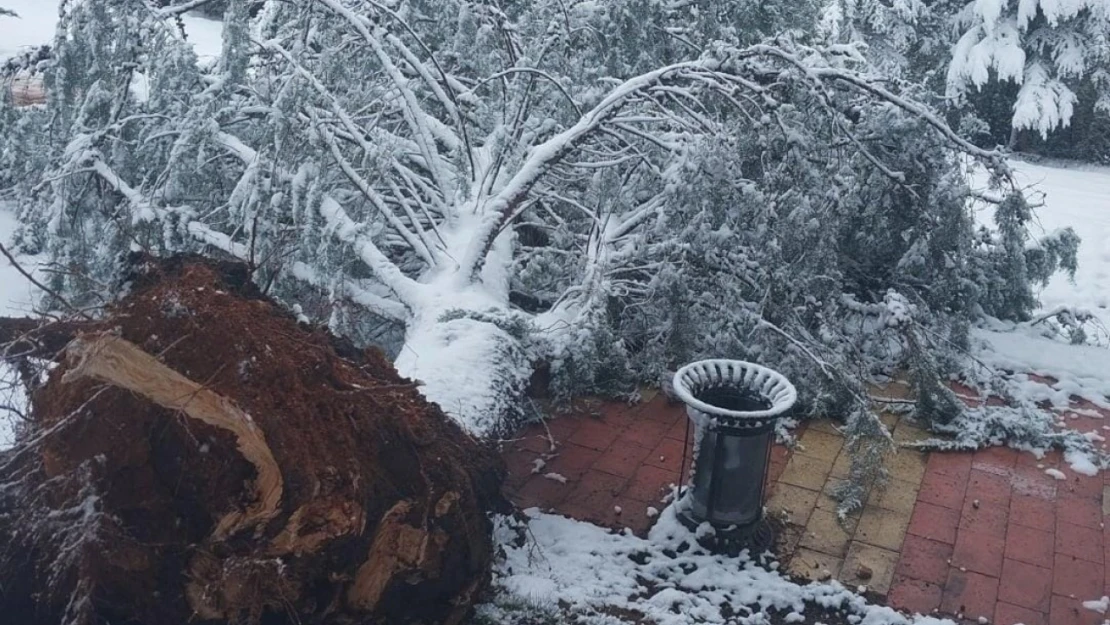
(200, 456)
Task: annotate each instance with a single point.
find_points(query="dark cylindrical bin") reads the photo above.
(734, 406)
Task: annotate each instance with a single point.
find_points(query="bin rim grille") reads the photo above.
(763, 381)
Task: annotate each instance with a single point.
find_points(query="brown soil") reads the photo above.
(157, 506)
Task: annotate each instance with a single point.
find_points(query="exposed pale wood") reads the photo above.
(111, 359)
(398, 548)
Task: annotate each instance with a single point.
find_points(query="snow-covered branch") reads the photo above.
(416, 237)
(372, 302)
(541, 158)
(145, 209)
(181, 9)
(413, 112)
(343, 228)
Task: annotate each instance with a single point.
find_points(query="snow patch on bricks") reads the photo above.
(1098, 605)
(667, 577)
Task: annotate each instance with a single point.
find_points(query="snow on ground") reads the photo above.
(206, 35)
(564, 563)
(1081, 370)
(37, 19)
(1076, 196)
(16, 296)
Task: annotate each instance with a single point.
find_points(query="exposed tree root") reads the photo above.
(113, 360)
(199, 455)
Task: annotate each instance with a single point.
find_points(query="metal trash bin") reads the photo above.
(733, 406)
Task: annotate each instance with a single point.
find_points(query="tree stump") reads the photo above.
(199, 456)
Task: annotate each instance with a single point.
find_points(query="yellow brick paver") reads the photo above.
(897, 495)
(807, 471)
(842, 467)
(792, 503)
(821, 445)
(825, 500)
(882, 528)
(909, 432)
(867, 565)
(828, 426)
(890, 420)
(814, 565)
(907, 465)
(862, 549)
(786, 540)
(895, 389)
(827, 534)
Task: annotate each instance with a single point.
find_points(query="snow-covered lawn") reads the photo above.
(1079, 197)
(33, 27)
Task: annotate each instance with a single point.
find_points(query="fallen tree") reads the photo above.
(199, 455)
(608, 189)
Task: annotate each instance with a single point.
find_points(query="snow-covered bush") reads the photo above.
(485, 187)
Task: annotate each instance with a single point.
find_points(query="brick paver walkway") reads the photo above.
(863, 549)
(606, 457)
(986, 534)
(993, 535)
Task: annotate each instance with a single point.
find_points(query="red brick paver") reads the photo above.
(1026, 548)
(608, 464)
(915, 596)
(970, 594)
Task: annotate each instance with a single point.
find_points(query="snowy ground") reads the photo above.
(1078, 197)
(35, 26)
(564, 564)
(16, 295)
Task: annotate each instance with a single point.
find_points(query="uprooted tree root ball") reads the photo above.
(199, 456)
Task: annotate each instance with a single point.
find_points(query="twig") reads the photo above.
(43, 287)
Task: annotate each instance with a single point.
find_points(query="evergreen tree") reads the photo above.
(1030, 60)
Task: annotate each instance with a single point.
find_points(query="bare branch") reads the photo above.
(40, 285)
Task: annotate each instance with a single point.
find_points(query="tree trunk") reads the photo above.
(473, 363)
